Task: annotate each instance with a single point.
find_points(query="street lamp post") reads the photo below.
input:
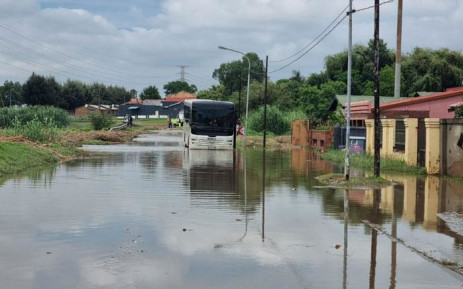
(247, 90)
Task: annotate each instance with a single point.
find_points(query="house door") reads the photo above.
(421, 143)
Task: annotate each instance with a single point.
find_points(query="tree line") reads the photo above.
(422, 70)
(45, 90)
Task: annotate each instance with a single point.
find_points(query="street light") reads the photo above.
(247, 90)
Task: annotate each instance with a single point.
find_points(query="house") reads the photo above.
(85, 110)
(169, 107)
(436, 105)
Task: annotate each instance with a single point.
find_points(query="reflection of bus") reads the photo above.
(209, 124)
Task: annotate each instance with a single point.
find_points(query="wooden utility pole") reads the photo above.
(398, 53)
(376, 87)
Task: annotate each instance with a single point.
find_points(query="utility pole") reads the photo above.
(398, 52)
(376, 88)
(239, 99)
(182, 72)
(349, 85)
(265, 100)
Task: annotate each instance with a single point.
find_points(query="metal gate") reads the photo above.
(421, 143)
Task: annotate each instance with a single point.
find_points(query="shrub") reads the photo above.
(459, 111)
(276, 122)
(100, 121)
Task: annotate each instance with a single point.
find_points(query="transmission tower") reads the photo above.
(182, 72)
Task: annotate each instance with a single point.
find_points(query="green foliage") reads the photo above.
(35, 130)
(16, 158)
(40, 90)
(216, 92)
(276, 122)
(45, 115)
(11, 93)
(177, 86)
(459, 111)
(150, 92)
(230, 74)
(366, 162)
(431, 70)
(100, 121)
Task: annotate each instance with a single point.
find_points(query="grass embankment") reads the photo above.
(19, 157)
(19, 154)
(366, 162)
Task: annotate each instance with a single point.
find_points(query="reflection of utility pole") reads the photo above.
(374, 236)
(376, 87)
(346, 227)
(263, 195)
(393, 245)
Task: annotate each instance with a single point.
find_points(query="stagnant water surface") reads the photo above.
(153, 215)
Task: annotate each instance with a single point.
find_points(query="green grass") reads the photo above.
(366, 162)
(18, 158)
(339, 181)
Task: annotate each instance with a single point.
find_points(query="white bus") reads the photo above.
(209, 124)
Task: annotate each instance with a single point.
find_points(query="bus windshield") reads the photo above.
(212, 120)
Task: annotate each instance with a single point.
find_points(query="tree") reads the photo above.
(74, 94)
(431, 70)
(216, 92)
(40, 90)
(150, 92)
(177, 86)
(11, 93)
(232, 73)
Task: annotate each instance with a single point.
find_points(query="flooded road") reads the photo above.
(152, 215)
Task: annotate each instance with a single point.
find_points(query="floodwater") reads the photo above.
(151, 214)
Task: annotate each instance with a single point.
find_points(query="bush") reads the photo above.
(101, 121)
(459, 111)
(276, 122)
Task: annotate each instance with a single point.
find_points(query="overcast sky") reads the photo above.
(143, 42)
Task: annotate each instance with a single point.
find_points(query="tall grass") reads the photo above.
(36, 123)
(46, 115)
(278, 122)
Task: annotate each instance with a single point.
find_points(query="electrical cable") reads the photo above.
(318, 36)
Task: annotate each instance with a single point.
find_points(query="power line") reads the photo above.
(318, 36)
(310, 49)
(328, 33)
(105, 70)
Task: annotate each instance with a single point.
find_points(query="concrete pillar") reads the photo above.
(388, 140)
(370, 137)
(411, 141)
(409, 211)
(431, 203)
(432, 145)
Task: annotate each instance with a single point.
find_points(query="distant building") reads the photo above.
(169, 107)
(85, 110)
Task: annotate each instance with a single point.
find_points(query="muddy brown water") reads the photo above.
(151, 214)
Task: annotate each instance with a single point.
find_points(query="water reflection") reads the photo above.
(153, 214)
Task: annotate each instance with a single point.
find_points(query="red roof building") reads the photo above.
(436, 105)
(180, 96)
